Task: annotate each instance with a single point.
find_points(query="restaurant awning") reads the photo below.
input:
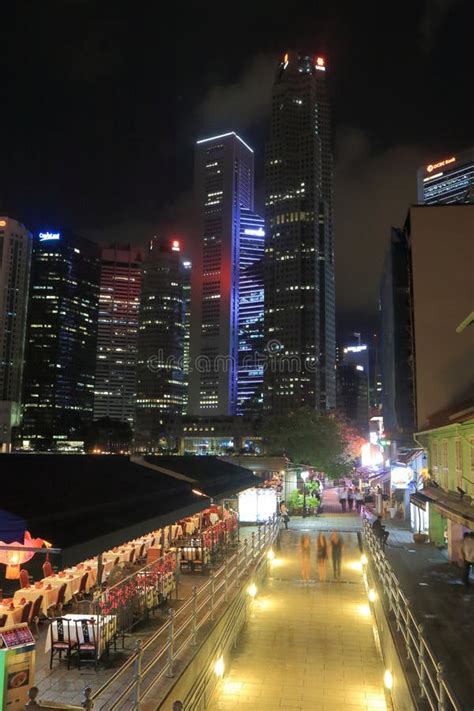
(460, 510)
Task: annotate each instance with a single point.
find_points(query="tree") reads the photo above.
(309, 438)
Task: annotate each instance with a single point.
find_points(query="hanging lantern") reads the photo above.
(14, 559)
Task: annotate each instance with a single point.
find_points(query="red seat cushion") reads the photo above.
(87, 646)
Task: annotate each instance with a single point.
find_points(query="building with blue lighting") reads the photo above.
(224, 187)
(61, 339)
(251, 306)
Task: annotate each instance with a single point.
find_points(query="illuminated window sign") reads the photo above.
(441, 164)
(255, 233)
(48, 236)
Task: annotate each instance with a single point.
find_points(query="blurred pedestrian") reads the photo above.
(305, 557)
(343, 498)
(380, 531)
(350, 498)
(467, 553)
(359, 498)
(284, 514)
(322, 557)
(336, 554)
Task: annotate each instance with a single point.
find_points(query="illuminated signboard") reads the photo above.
(49, 236)
(320, 64)
(441, 164)
(400, 476)
(256, 233)
(355, 349)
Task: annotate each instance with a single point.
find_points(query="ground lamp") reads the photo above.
(15, 554)
(304, 476)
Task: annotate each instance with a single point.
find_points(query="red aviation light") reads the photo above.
(320, 62)
(175, 246)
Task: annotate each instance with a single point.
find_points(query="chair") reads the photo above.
(24, 578)
(25, 613)
(47, 569)
(141, 552)
(85, 631)
(63, 642)
(82, 588)
(35, 613)
(61, 600)
(3, 620)
(116, 561)
(132, 556)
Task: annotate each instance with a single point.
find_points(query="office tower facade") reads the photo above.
(447, 181)
(187, 266)
(117, 333)
(224, 184)
(251, 305)
(299, 251)
(61, 339)
(15, 261)
(352, 385)
(160, 378)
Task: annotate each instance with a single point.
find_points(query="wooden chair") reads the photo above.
(116, 561)
(63, 641)
(24, 578)
(47, 569)
(3, 620)
(132, 556)
(25, 614)
(35, 613)
(86, 642)
(141, 552)
(61, 600)
(82, 588)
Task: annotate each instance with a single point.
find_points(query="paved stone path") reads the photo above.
(309, 646)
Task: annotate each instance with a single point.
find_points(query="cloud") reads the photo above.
(373, 192)
(243, 103)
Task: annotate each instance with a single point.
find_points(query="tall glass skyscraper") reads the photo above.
(251, 303)
(299, 251)
(224, 184)
(61, 338)
(447, 181)
(160, 378)
(115, 378)
(187, 330)
(15, 260)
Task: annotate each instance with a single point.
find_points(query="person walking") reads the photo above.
(380, 531)
(467, 553)
(336, 553)
(322, 556)
(350, 498)
(305, 557)
(359, 498)
(343, 499)
(284, 514)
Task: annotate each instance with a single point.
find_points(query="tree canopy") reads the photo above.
(309, 438)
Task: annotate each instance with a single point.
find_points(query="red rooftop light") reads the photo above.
(175, 245)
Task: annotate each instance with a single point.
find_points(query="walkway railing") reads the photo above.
(434, 688)
(155, 660)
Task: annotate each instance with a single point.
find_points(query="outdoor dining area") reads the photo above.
(89, 606)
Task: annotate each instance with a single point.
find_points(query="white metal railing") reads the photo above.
(434, 688)
(155, 660)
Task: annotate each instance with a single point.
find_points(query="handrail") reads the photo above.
(174, 639)
(430, 672)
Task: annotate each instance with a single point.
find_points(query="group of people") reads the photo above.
(349, 497)
(335, 545)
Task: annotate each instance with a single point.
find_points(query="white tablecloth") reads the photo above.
(49, 596)
(108, 626)
(13, 616)
(72, 580)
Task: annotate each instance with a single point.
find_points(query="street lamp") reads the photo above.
(304, 476)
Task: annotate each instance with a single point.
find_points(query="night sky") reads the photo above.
(104, 100)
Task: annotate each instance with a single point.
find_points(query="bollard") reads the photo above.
(212, 595)
(246, 552)
(87, 702)
(259, 539)
(421, 660)
(253, 546)
(226, 582)
(137, 674)
(442, 692)
(169, 672)
(195, 594)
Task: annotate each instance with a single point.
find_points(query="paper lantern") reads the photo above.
(14, 559)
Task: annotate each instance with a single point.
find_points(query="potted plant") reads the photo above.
(418, 536)
(295, 503)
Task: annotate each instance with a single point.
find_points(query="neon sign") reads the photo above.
(47, 236)
(441, 164)
(260, 232)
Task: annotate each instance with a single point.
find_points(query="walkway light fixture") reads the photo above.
(388, 679)
(363, 559)
(219, 667)
(372, 595)
(271, 555)
(252, 590)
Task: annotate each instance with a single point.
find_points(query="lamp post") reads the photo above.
(304, 476)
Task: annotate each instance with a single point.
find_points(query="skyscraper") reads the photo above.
(160, 379)
(224, 184)
(251, 304)
(352, 386)
(447, 181)
(115, 377)
(61, 338)
(299, 251)
(15, 260)
(187, 330)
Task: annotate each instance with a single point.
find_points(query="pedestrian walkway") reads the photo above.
(309, 646)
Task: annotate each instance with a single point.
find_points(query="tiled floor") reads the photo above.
(306, 647)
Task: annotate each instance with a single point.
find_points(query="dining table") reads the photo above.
(32, 592)
(12, 611)
(72, 580)
(104, 625)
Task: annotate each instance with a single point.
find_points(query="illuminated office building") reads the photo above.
(352, 386)
(115, 377)
(187, 330)
(224, 185)
(160, 377)
(299, 251)
(251, 304)
(15, 260)
(61, 339)
(447, 181)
